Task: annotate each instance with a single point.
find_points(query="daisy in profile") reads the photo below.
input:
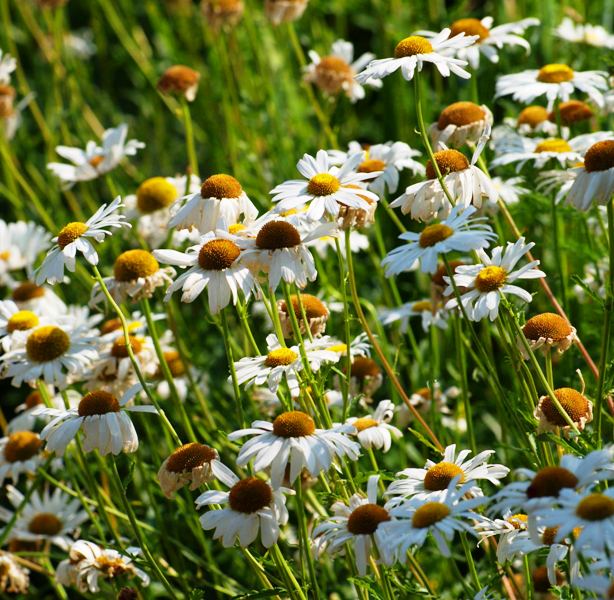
(179, 80)
(14, 578)
(459, 123)
(215, 265)
(532, 119)
(415, 51)
(284, 11)
(335, 73)
(374, 430)
(358, 524)
(36, 298)
(495, 276)
(292, 441)
(254, 508)
(101, 417)
(578, 33)
(25, 419)
(325, 186)
(548, 331)
(458, 232)
(75, 237)
(466, 183)
(20, 244)
(219, 203)
(432, 314)
(435, 478)
(8, 64)
(316, 314)
(509, 190)
(555, 81)
(20, 452)
(423, 399)
(594, 182)
(192, 464)
(95, 160)
(45, 517)
(576, 405)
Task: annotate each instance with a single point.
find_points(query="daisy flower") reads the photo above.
(455, 233)
(594, 181)
(73, 238)
(531, 119)
(326, 245)
(466, 183)
(14, 578)
(548, 331)
(434, 479)
(593, 35)
(293, 441)
(20, 244)
(509, 190)
(422, 400)
(219, 203)
(556, 183)
(8, 64)
(494, 277)
(20, 452)
(335, 73)
(179, 80)
(45, 517)
(577, 406)
(555, 81)
(284, 11)
(599, 580)
(102, 418)
(39, 299)
(87, 563)
(357, 524)
(253, 508)
(14, 320)
(325, 186)
(95, 160)
(460, 123)
(413, 520)
(25, 419)
(192, 464)
(432, 314)
(316, 315)
(374, 430)
(414, 51)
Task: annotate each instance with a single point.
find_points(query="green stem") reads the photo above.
(304, 535)
(231, 366)
(189, 142)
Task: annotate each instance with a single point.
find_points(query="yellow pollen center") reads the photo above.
(533, 116)
(549, 481)
(575, 405)
(96, 160)
(236, 228)
(45, 524)
(22, 320)
(595, 507)
(217, 255)
(21, 446)
(323, 184)
(27, 291)
(154, 194)
(120, 348)
(292, 424)
(547, 325)
(70, 233)
(98, 403)
(422, 306)
(280, 357)
(433, 234)
(174, 362)
(459, 114)
(490, 279)
(250, 495)
(518, 521)
(365, 519)
(275, 235)
(341, 348)
(221, 186)
(47, 343)
(429, 514)
(5, 255)
(134, 264)
(448, 161)
(439, 476)
(189, 456)
(600, 156)
(470, 27)
(371, 165)
(412, 45)
(364, 423)
(112, 567)
(314, 308)
(555, 73)
(553, 145)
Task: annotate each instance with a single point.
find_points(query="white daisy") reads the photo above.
(593, 35)
(459, 123)
(335, 73)
(284, 11)
(73, 238)
(25, 419)
(253, 508)
(20, 244)
(325, 186)
(532, 119)
(95, 160)
(102, 418)
(455, 233)
(293, 441)
(219, 203)
(414, 51)
(556, 183)
(326, 245)
(433, 314)
(358, 524)
(20, 452)
(594, 182)
(39, 299)
(14, 578)
(8, 64)
(555, 81)
(316, 314)
(45, 517)
(509, 190)
(599, 580)
(13, 320)
(494, 277)
(433, 481)
(374, 430)
(423, 399)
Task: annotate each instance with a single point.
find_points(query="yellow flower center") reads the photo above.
(595, 507)
(459, 114)
(365, 519)
(27, 291)
(155, 193)
(275, 235)
(218, 255)
(363, 367)
(134, 264)
(490, 279)
(448, 161)
(429, 514)
(236, 228)
(70, 233)
(553, 145)
(174, 362)
(45, 524)
(371, 165)
(314, 307)
(22, 320)
(600, 156)
(47, 343)
(250, 495)
(439, 476)
(98, 403)
(433, 234)
(341, 348)
(221, 186)
(412, 45)
(555, 73)
(547, 325)
(332, 73)
(574, 404)
(112, 567)
(533, 116)
(280, 357)
(120, 348)
(323, 184)
(364, 423)
(549, 481)
(115, 325)
(96, 160)
(189, 456)
(293, 424)
(518, 521)
(21, 446)
(470, 27)
(422, 306)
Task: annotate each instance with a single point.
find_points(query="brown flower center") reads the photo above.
(433, 234)
(555, 73)
(365, 519)
(27, 291)
(45, 524)
(553, 145)
(221, 186)
(600, 156)
(21, 321)
(98, 403)
(323, 184)
(178, 79)
(439, 476)
(533, 116)
(33, 399)
(448, 161)
(189, 456)
(541, 581)
(547, 325)
(595, 507)
(412, 45)
(154, 194)
(250, 495)
(442, 272)
(275, 235)
(549, 535)
(371, 165)
(365, 423)
(574, 403)
(70, 233)
(429, 514)
(293, 424)
(218, 254)
(363, 367)
(549, 481)
(133, 264)
(459, 114)
(21, 446)
(490, 279)
(470, 27)
(332, 73)
(47, 343)
(120, 348)
(572, 111)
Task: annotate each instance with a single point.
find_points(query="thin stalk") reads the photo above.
(282, 565)
(189, 142)
(470, 561)
(231, 366)
(304, 535)
(345, 382)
